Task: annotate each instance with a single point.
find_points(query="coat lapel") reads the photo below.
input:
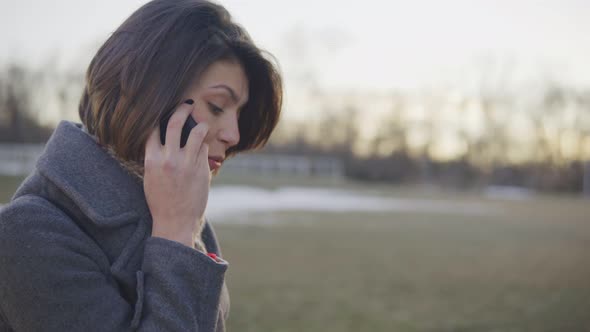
(113, 201)
(91, 178)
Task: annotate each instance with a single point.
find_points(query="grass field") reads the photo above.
(8, 185)
(525, 268)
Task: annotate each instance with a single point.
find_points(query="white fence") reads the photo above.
(284, 164)
(20, 159)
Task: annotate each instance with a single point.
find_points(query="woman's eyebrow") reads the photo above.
(231, 92)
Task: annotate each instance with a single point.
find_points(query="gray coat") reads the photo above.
(76, 252)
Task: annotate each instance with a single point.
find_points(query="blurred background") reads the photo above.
(431, 171)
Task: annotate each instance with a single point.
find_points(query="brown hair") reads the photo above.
(139, 74)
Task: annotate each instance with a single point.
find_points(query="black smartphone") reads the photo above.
(186, 129)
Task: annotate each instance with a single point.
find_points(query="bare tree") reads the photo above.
(18, 119)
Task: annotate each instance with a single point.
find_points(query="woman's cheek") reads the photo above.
(200, 114)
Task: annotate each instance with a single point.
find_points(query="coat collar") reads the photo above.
(91, 178)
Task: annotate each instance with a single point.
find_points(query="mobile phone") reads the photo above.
(186, 129)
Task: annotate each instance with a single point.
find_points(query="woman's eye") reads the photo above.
(215, 109)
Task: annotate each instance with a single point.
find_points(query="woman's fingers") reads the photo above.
(196, 139)
(174, 128)
(202, 161)
(153, 145)
(177, 180)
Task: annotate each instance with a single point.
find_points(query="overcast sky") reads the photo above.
(372, 44)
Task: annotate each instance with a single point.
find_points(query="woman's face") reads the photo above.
(219, 95)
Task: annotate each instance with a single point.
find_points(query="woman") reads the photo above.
(108, 232)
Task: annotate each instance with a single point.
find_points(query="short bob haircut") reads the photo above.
(140, 73)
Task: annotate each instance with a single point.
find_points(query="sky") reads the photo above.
(344, 45)
(369, 48)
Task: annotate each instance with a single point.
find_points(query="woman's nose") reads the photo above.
(230, 133)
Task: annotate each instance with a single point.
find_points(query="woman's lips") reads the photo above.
(214, 164)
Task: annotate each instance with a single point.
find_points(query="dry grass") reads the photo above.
(8, 185)
(525, 269)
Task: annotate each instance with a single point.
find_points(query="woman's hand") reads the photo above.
(176, 180)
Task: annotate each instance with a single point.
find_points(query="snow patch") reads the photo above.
(227, 201)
